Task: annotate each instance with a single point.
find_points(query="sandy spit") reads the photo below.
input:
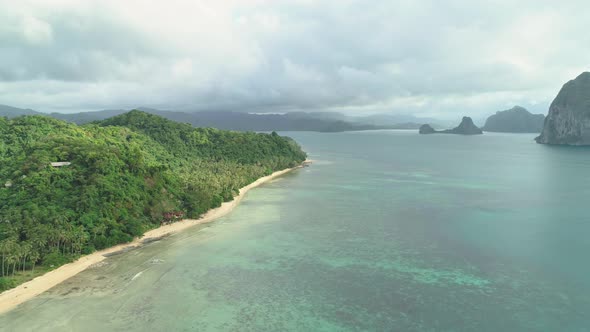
(13, 297)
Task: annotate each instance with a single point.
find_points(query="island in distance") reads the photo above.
(515, 120)
(568, 120)
(466, 127)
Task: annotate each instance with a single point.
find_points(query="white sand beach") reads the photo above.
(26, 291)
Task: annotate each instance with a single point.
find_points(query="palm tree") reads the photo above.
(34, 256)
(7, 248)
(25, 252)
(13, 257)
(3, 252)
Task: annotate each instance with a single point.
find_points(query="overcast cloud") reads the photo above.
(428, 58)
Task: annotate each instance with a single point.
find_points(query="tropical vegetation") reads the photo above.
(117, 178)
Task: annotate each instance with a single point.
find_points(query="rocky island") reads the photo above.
(568, 121)
(515, 120)
(426, 129)
(466, 127)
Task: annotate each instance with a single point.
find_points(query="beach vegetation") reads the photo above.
(68, 190)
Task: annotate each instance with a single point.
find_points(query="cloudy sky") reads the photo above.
(428, 58)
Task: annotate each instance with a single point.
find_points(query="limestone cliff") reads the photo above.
(568, 121)
(466, 127)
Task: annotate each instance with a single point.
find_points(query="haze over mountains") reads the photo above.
(293, 121)
(515, 120)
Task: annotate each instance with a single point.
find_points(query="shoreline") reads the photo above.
(11, 298)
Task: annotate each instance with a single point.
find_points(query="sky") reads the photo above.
(433, 58)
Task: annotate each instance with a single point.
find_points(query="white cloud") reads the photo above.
(36, 31)
(301, 73)
(427, 57)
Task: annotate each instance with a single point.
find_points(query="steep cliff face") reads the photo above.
(568, 121)
(515, 120)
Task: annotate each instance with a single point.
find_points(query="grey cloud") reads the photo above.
(426, 57)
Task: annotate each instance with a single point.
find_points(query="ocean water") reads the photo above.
(387, 231)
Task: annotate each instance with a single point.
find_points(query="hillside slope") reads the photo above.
(515, 120)
(125, 175)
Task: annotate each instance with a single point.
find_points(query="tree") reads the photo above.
(125, 174)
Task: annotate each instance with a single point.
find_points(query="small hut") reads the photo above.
(60, 163)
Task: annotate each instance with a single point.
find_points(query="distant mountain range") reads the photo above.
(11, 112)
(293, 121)
(514, 120)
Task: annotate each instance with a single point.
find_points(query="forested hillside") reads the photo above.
(125, 175)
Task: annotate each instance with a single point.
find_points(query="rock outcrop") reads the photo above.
(426, 129)
(515, 120)
(568, 121)
(466, 127)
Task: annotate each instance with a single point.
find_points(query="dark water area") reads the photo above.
(387, 231)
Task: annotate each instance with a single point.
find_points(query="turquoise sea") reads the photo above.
(387, 231)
